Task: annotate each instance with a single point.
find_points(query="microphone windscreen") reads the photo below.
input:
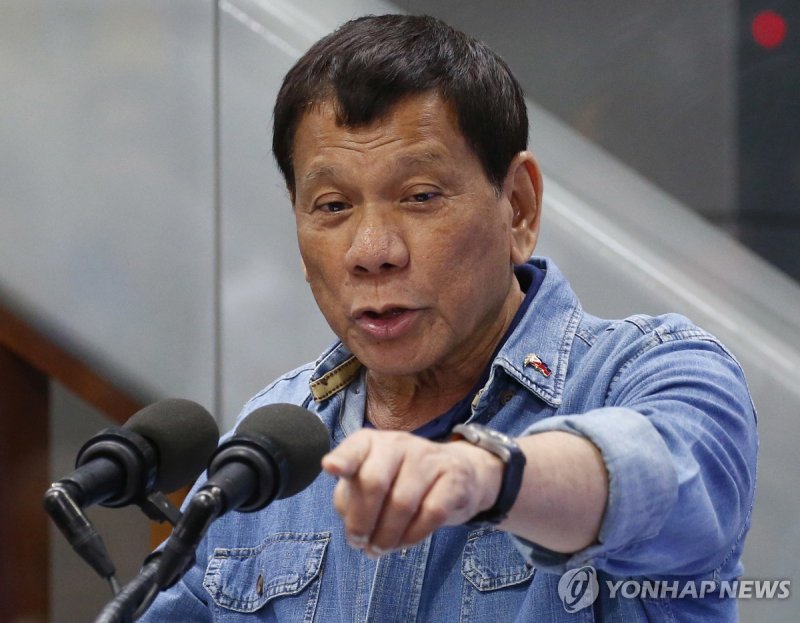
(184, 434)
(301, 436)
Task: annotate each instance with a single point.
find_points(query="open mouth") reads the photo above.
(389, 313)
(390, 323)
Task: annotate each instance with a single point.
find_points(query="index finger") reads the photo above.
(345, 460)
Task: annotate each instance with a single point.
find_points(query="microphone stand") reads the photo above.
(131, 602)
(170, 564)
(242, 475)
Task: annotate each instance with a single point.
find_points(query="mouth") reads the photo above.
(387, 322)
(372, 314)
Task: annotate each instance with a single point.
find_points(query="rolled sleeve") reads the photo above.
(678, 439)
(642, 487)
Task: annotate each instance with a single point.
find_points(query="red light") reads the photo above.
(769, 29)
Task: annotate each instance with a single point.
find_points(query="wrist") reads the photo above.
(488, 470)
(505, 450)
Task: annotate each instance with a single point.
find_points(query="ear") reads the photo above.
(523, 187)
(305, 270)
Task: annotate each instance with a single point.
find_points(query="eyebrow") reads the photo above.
(405, 160)
(321, 171)
(416, 159)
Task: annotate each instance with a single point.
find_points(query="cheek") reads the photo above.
(323, 281)
(319, 269)
(315, 251)
(471, 263)
(330, 295)
(481, 242)
(465, 266)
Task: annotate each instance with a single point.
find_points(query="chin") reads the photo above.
(391, 361)
(391, 368)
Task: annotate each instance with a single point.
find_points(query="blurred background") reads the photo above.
(145, 233)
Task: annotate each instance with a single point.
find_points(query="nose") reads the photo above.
(377, 245)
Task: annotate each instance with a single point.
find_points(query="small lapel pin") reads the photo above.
(537, 364)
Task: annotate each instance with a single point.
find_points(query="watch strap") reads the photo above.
(507, 450)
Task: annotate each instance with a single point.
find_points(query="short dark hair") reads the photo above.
(369, 64)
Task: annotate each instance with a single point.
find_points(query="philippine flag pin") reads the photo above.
(537, 364)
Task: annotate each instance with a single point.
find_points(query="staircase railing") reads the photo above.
(28, 362)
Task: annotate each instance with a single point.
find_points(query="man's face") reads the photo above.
(406, 245)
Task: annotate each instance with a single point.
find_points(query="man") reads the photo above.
(403, 146)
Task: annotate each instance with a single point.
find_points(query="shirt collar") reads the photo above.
(335, 369)
(536, 353)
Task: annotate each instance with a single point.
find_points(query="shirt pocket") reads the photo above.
(286, 564)
(497, 577)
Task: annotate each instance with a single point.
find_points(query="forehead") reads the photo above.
(421, 129)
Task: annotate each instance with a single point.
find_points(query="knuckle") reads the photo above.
(373, 485)
(459, 493)
(403, 441)
(404, 504)
(436, 513)
(461, 500)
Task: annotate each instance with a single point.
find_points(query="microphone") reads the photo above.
(160, 448)
(275, 453)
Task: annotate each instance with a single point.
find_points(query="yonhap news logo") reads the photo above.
(579, 588)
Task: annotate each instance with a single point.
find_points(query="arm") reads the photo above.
(658, 481)
(396, 488)
(564, 492)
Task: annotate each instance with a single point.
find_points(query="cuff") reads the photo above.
(642, 483)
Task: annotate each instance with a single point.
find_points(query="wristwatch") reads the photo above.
(505, 448)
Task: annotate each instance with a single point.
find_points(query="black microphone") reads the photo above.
(160, 448)
(275, 453)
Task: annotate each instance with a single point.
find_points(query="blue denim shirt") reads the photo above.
(664, 402)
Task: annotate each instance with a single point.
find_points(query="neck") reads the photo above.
(408, 402)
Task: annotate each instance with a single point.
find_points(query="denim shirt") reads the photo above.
(663, 400)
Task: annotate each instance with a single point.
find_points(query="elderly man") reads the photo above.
(488, 435)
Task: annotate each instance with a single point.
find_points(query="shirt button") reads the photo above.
(260, 584)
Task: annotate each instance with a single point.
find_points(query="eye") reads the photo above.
(423, 197)
(332, 207)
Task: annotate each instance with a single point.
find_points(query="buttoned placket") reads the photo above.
(397, 584)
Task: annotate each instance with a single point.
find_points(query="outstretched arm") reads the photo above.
(395, 489)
